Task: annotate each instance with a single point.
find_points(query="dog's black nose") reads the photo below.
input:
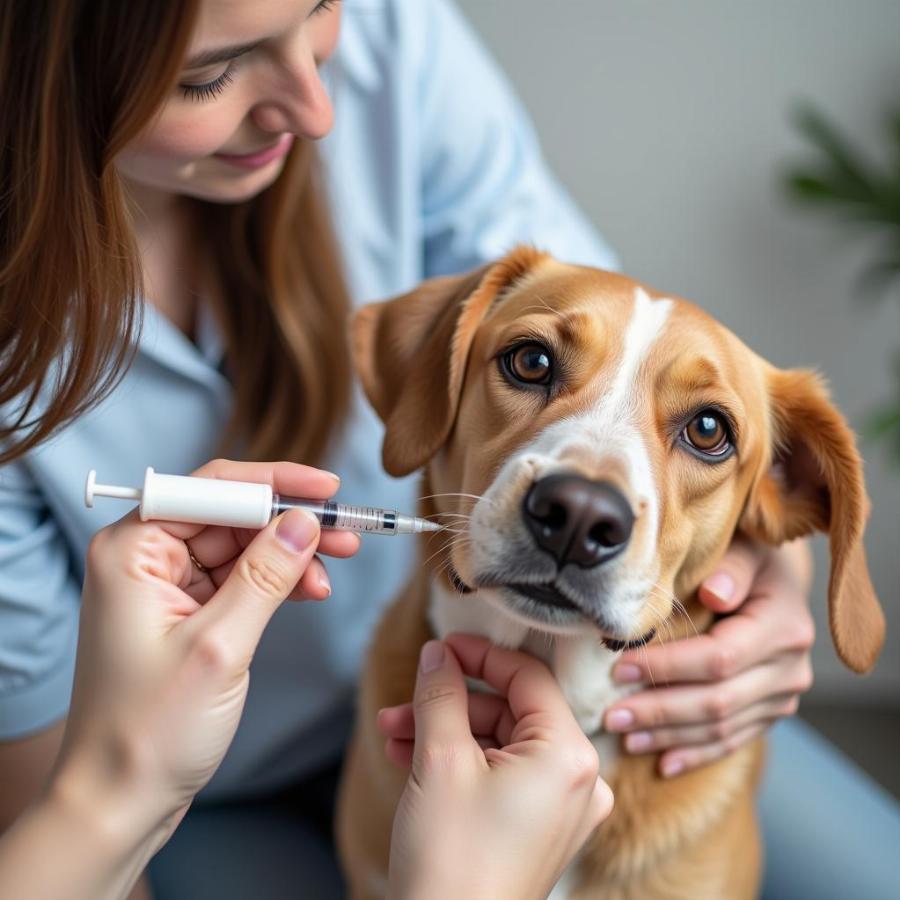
(577, 520)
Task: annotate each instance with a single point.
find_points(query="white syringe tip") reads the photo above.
(425, 525)
(89, 488)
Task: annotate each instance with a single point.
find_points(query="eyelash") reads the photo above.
(201, 92)
(214, 88)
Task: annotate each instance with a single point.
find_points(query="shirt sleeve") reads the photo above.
(39, 607)
(485, 184)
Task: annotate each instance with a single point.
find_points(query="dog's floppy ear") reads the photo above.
(815, 482)
(411, 355)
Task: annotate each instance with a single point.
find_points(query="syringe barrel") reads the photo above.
(342, 515)
(363, 518)
(180, 498)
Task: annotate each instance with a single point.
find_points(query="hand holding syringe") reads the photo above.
(243, 504)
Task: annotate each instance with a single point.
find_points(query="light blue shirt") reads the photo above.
(433, 168)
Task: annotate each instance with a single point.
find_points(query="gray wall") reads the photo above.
(669, 124)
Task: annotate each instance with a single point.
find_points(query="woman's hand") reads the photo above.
(717, 691)
(503, 789)
(171, 617)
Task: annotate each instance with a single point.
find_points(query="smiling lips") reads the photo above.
(260, 157)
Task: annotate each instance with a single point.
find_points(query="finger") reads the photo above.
(658, 739)
(526, 682)
(156, 555)
(489, 718)
(440, 708)
(397, 722)
(692, 704)
(147, 542)
(686, 758)
(257, 584)
(314, 584)
(200, 586)
(718, 654)
(339, 544)
(728, 586)
(400, 753)
(290, 479)
(734, 644)
(217, 545)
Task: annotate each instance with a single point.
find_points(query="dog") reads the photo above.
(593, 447)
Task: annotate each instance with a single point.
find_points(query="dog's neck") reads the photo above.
(581, 663)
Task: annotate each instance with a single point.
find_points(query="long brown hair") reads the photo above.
(79, 80)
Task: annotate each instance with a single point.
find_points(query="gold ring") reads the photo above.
(194, 559)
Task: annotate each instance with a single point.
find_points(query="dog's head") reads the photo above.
(596, 446)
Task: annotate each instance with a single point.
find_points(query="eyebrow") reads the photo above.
(222, 54)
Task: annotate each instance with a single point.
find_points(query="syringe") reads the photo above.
(244, 504)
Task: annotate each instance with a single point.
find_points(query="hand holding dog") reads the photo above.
(503, 789)
(717, 691)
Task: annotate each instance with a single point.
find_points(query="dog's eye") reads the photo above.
(529, 364)
(708, 433)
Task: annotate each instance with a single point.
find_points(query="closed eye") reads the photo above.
(208, 89)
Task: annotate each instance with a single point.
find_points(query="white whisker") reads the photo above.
(475, 497)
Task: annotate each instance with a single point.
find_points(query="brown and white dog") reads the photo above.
(593, 447)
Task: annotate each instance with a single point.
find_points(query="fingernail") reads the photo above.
(432, 656)
(325, 582)
(672, 767)
(619, 720)
(638, 741)
(626, 673)
(721, 584)
(337, 478)
(297, 530)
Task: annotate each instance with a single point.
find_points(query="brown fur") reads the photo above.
(428, 363)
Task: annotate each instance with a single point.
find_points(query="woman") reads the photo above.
(148, 726)
(158, 161)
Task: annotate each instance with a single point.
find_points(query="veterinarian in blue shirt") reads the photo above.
(432, 167)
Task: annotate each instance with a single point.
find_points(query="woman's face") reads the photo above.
(250, 83)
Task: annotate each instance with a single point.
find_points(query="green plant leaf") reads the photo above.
(850, 189)
(847, 166)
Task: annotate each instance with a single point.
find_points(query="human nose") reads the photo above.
(297, 101)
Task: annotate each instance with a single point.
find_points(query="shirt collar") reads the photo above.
(167, 345)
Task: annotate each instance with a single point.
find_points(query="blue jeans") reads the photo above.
(831, 833)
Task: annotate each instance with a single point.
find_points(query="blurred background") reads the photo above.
(671, 124)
